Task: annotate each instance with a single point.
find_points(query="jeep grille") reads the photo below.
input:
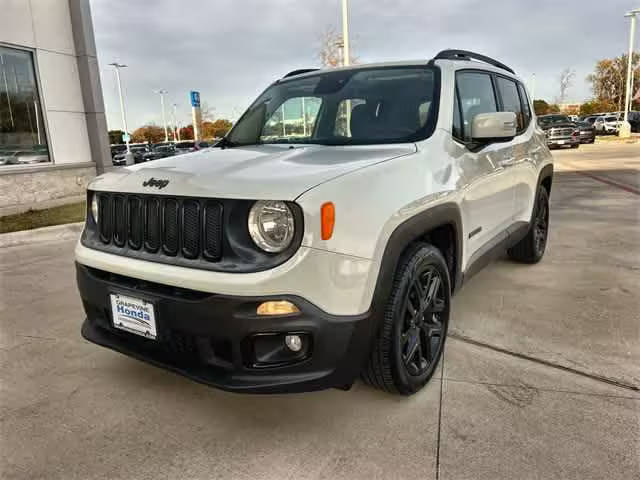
(190, 228)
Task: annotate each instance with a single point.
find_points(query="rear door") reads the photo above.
(488, 202)
(523, 150)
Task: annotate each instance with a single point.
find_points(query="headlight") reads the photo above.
(94, 207)
(271, 225)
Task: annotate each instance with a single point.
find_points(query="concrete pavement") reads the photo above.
(70, 409)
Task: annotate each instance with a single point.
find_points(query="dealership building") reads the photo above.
(53, 131)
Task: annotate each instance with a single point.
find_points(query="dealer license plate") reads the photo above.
(560, 142)
(133, 315)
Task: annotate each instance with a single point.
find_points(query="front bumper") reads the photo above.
(562, 141)
(207, 337)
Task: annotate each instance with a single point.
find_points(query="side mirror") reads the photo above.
(493, 125)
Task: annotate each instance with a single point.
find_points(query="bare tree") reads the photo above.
(330, 51)
(330, 48)
(566, 81)
(207, 112)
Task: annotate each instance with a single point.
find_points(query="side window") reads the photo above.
(476, 96)
(511, 100)
(524, 100)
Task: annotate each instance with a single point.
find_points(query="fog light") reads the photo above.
(293, 342)
(280, 307)
(276, 349)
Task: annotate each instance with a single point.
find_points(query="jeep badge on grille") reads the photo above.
(152, 182)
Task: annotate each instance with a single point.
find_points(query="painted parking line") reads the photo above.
(607, 181)
(622, 186)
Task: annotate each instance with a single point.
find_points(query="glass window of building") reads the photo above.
(22, 133)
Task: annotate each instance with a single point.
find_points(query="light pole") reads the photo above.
(117, 66)
(533, 87)
(162, 93)
(625, 128)
(176, 130)
(346, 58)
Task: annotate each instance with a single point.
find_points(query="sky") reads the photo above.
(230, 50)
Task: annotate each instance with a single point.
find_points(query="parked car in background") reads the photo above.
(587, 132)
(160, 151)
(590, 119)
(560, 131)
(607, 125)
(138, 153)
(23, 157)
(117, 149)
(191, 146)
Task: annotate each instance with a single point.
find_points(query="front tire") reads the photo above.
(411, 338)
(532, 247)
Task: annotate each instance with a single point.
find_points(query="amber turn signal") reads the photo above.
(328, 219)
(279, 307)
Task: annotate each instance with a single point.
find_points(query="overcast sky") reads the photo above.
(230, 50)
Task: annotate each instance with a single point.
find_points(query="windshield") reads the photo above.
(549, 119)
(610, 119)
(366, 106)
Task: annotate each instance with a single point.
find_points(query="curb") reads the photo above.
(68, 231)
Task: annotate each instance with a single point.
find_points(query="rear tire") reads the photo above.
(532, 247)
(411, 338)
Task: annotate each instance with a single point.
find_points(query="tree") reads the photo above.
(596, 106)
(540, 107)
(186, 133)
(330, 49)
(207, 112)
(221, 127)
(148, 133)
(566, 81)
(554, 108)
(543, 108)
(115, 137)
(608, 81)
(207, 129)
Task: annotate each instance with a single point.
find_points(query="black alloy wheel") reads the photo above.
(411, 338)
(541, 227)
(532, 247)
(420, 339)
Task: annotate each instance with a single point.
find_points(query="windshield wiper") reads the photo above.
(225, 143)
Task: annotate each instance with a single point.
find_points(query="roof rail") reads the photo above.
(300, 72)
(467, 55)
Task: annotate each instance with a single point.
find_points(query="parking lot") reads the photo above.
(540, 379)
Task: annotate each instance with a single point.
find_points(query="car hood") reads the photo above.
(269, 172)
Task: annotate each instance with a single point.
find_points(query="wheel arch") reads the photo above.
(441, 226)
(545, 178)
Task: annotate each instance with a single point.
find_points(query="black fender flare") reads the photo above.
(408, 232)
(404, 235)
(545, 172)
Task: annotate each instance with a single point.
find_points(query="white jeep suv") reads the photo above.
(324, 236)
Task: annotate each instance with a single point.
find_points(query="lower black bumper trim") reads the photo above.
(194, 327)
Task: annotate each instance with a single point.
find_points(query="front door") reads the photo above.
(488, 181)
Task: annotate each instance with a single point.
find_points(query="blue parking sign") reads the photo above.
(195, 98)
